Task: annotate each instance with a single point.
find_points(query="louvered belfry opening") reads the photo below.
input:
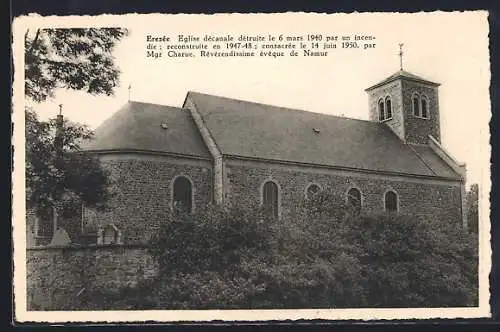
(416, 106)
(424, 109)
(388, 108)
(381, 111)
(270, 198)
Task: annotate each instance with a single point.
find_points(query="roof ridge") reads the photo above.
(155, 104)
(281, 108)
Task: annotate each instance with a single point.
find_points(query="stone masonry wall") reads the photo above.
(417, 130)
(58, 278)
(393, 90)
(408, 127)
(143, 191)
(244, 180)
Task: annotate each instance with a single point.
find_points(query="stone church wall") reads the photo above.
(144, 191)
(60, 278)
(244, 179)
(417, 130)
(143, 188)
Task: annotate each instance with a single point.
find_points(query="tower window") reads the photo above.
(384, 109)
(381, 112)
(425, 114)
(354, 200)
(420, 106)
(388, 108)
(391, 201)
(270, 198)
(416, 105)
(182, 197)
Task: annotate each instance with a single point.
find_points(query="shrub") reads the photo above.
(327, 257)
(234, 258)
(418, 262)
(213, 239)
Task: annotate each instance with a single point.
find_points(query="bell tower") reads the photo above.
(407, 104)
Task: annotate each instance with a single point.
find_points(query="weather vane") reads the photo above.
(401, 56)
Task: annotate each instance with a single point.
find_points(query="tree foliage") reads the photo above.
(471, 206)
(59, 175)
(328, 257)
(76, 59)
(415, 260)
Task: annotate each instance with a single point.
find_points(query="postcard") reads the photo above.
(251, 167)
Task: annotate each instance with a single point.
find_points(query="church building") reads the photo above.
(226, 151)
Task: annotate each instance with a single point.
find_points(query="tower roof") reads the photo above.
(404, 75)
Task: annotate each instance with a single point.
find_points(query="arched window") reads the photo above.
(381, 114)
(182, 196)
(109, 234)
(354, 199)
(416, 105)
(425, 112)
(312, 189)
(420, 105)
(391, 201)
(388, 108)
(270, 198)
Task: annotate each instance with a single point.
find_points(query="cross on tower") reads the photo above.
(401, 56)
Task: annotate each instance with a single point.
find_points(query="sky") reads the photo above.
(448, 48)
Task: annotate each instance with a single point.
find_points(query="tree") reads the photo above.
(76, 59)
(61, 176)
(416, 261)
(244, 258)
(58, 175)
(327, 256)
(471, 207)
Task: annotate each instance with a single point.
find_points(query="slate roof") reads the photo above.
(402, 74)
(138, 126)
(434, 161)
(254, 130)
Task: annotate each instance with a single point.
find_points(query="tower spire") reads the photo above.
(401, 56)
(129, 89)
